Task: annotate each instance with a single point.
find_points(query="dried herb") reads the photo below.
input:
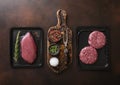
(16, 52)
(54, 49)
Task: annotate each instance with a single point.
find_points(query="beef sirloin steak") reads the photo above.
(28, 48)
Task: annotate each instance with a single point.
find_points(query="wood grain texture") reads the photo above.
(64, 61)
(41, 13)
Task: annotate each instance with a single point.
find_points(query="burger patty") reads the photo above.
(88, 55)
(97, 39)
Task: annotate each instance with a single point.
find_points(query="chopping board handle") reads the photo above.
(61, 18)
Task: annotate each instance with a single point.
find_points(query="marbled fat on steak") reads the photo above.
(28, 48)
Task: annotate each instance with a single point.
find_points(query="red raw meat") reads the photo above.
(88, 55)
(97, 39)
(28, 48)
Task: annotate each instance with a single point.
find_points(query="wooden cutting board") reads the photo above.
(64, 61)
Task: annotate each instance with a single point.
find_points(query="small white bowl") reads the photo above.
(54, 62)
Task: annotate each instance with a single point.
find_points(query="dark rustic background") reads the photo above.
(42, 13)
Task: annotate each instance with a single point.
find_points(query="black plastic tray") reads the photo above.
(38, 40)
(103, 62)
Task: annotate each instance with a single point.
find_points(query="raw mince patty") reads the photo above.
(97, 39)
(88, 55)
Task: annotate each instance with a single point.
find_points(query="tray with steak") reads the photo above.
(93, 50)
(59, 44)
(26, 46)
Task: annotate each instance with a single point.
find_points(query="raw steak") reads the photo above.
(88, 55)
(28, 48)
(97, 39)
